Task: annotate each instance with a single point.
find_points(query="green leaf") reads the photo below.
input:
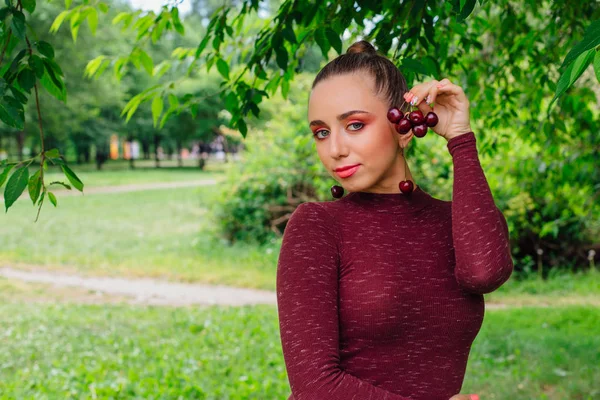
(334, 40)
(60, 183)
(92, 19)
(288, 33)
(26, 79)
(103, 7)
(590, 40)
(414, 65)
(12, 113)
(4, 174)
(53, 77)
(45, 49)
(59, 20)
(75, 24)
(242, 127)
(176, 21)
(68, 3)
(202, 44)
(223, 68)
(37, 65)
(75, 181)
(52, 198)
(157, 108)
(597, 65)
(16, 185)
(281, 57)
(93, 66)
(322, 41)
(146, 61)
(35, 186)
(48, 84)
(29, 5)
(53, 153)
(20, 97)
(571, 74)
(466, 9)
(18, 24)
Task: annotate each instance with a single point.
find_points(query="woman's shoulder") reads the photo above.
(314, 216)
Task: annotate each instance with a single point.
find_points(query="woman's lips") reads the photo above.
(348, 172)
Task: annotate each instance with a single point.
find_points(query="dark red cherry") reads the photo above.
(403, 127)
(337, 191)
(394, 115)
(420, 130)
(416, 117)
(406, 187)
(431, 119)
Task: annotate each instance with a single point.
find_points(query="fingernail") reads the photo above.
(474, 397)
(414, 101)
(427, 99)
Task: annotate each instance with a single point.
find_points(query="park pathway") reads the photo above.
(157, 292)
(148, 291)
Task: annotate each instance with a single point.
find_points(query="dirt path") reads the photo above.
(148, 291)
(86, 289)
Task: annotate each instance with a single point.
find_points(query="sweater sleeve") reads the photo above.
(307, 303)
(479, 230)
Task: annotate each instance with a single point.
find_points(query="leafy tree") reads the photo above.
(509, 56)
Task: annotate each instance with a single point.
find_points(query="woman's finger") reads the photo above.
(450, 88)
(418, 93)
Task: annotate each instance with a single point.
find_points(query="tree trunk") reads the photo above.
(156, 144)
(20, 144)
(179, 158)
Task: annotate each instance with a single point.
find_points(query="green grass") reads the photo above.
(155, 233)
(69, 351)
(561, 287)
(169, 234)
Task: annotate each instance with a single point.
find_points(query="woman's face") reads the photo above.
(366, 138)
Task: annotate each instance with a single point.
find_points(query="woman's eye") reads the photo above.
(354, 123)
(357, 123)
(317, 132)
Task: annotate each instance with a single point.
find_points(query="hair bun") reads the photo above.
(361, 46)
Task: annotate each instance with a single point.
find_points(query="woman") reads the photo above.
(380, 293)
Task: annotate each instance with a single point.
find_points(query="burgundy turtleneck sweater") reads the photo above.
(380, 296)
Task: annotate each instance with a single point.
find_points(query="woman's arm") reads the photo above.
(307, 302)
(479, 230)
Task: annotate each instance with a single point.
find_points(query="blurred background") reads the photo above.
(112, 293)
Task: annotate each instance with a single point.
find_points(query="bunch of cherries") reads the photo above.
(414, 120)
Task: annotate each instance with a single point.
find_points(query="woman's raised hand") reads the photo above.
(450, 103)
(464, 397)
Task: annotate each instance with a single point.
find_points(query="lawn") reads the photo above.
(53, 347)
(168, 233)
(62, 350)
(154, 233)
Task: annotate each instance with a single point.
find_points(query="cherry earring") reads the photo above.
(403, 123)
(406, 186)
(337, 191)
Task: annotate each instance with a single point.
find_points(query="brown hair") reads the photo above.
(361, 56)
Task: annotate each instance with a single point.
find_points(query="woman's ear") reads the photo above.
(404, 139)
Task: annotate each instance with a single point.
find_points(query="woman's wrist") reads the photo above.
(453, 135)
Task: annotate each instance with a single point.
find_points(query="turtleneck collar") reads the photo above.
(391, 202)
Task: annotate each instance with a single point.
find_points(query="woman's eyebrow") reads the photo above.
(340, 117)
